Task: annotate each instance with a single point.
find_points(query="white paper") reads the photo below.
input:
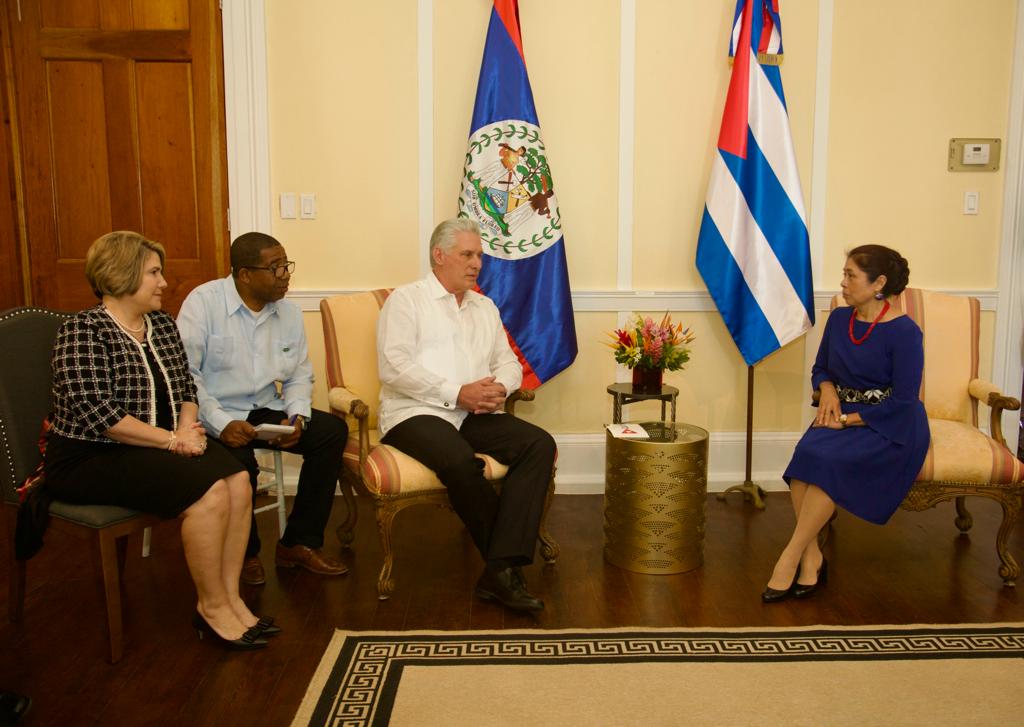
(628, 431)
(266, 432)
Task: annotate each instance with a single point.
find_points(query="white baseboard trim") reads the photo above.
(581, 462)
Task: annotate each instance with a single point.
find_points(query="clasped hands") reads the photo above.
(239, 433)
(483, 396)
(828, 408)
(189, 440)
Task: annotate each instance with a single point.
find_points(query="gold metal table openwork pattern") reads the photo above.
(654, 497)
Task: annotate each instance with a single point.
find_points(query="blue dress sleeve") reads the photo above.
(820, 372)
(895, 417)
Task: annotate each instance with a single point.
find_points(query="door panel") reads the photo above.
(80, 172)
(166, 157)
(78, 14)
(120, 117)
(167, 15)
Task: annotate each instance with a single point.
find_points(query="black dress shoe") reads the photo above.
(504, 586)
(517, 572)
(774, 595)
(248, 641)
(266, 626)
(806, 591)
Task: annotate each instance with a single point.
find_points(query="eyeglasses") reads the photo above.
(278, 270)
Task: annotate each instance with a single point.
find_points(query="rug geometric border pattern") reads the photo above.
(363, 681)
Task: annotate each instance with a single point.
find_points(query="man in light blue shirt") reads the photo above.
(247, 353)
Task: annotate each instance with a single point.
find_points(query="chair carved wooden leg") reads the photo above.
(109, 575)
(1009, 570)
(549, 549)
(386, 511)
(346, 531)
(964, 521)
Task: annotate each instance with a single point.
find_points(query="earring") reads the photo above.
(879, 295)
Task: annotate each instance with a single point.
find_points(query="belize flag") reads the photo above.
(753, 249)
(507, 188)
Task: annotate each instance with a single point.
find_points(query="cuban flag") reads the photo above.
(753, 249)
(507, 188)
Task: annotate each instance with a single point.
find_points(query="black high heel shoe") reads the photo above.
(806, 591)
(774, 595)
(248, 641)
(266, 626)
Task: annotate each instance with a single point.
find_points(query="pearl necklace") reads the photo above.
(122, 326)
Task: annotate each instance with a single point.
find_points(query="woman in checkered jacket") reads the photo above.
(125, 430)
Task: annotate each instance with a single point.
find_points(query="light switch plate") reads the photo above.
(288, 206)
(971, 203)
(307, 206)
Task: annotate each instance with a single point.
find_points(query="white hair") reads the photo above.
(444, 234)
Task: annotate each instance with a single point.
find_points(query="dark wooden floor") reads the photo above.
(916, 569)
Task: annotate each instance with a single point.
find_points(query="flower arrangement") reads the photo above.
(649, 345)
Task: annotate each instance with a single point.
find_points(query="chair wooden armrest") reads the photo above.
(988, 393)
(345, 401)
(518, 395)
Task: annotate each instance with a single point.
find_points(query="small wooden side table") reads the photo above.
(623, 394)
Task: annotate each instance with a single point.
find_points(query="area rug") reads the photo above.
(893, 675)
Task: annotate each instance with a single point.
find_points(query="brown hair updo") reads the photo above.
(877, 260)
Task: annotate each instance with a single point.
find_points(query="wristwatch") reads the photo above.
(304, 423)
(842, 420)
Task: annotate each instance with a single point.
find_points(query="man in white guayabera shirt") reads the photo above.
(446, 368)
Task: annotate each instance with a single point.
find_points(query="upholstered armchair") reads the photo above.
(962, 460)
(391, 478)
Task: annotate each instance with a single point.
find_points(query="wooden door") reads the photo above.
(120, 124)
(12, 287)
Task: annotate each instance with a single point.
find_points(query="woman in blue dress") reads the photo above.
(870, 436)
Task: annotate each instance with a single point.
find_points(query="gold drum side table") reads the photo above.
(654, 497)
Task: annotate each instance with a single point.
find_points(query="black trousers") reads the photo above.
(504, 527)
(321, 447)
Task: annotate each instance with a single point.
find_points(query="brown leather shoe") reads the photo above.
(312, 560)
(252, 572)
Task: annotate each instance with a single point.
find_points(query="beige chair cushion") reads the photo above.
(960, 453)
(389, 471)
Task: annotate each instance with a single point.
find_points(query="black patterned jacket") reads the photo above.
(100, 374)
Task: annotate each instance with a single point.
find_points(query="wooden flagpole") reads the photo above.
(750, 489)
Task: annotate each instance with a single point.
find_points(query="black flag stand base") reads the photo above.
(750, 489)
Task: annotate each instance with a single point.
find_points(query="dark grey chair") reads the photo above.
(28, 335)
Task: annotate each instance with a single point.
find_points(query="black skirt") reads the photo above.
(141, 478)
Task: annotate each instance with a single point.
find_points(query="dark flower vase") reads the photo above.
(647, 381)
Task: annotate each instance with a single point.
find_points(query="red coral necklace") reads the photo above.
(857, 341)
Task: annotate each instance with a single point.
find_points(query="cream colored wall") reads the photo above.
(906, 76)
(343, 123)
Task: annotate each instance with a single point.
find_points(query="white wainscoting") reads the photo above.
(581, 462)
